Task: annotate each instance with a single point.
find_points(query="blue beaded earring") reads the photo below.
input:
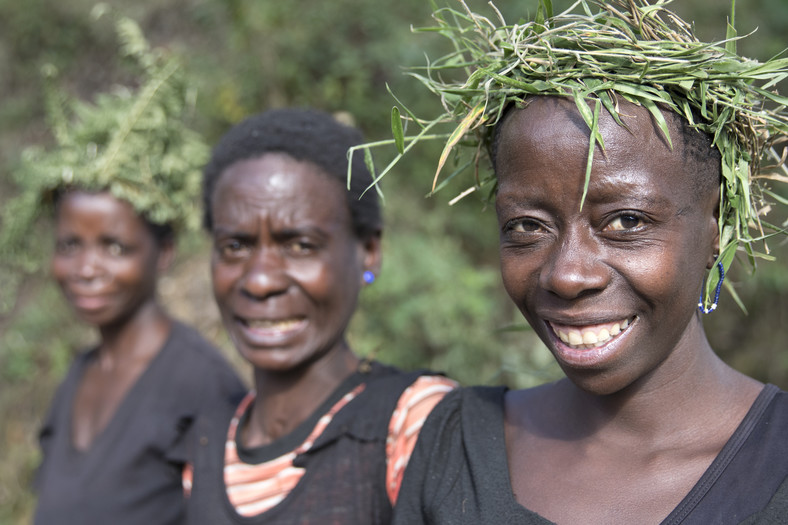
(716, 293)
(369, 277)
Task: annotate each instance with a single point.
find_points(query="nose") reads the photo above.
(265, 274)
(575, 267)
(88, 264)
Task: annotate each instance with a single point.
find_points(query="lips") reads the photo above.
(588, 337)
(589, 345)
(88, 302)
(266, 332)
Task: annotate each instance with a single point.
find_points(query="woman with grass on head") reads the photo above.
(626, 158)
(325, 435)
(122, 180)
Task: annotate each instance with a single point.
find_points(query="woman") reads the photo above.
(112, 444)
(606, 265)
(112, 449)
(325, 435)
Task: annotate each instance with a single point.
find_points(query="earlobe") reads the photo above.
(715, 247)
(371, 260)
(166, 256)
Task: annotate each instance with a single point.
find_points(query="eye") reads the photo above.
(232, 250)
(625, 221)
(116, 249)
(523, 225)
(301, 246)
(66, 246)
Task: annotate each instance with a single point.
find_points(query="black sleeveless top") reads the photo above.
(345, 469)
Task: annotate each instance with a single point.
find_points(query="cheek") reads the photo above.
(322, 281)
(139, 271)
(516, 273)
(60, 268)
(667, 279)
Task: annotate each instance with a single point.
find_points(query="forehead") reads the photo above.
(281, 186)
(550, 136)
(100, 210)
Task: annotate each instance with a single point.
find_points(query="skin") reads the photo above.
(640, 417)
(107, 262)
(287, 270)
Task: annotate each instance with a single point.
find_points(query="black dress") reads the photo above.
(131, 474)
(458, 473)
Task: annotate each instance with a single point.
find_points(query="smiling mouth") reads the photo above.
(88, 302)
(274, 326)
(592, 336)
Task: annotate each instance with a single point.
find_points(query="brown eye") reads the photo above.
(624, 222)
(301, 247)
(232, 250)
(115, 249)
(66, 247)
(524, 226)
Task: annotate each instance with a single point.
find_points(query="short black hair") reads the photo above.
(305, 135)
(697, 149)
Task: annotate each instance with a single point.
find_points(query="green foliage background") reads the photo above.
(438, 301)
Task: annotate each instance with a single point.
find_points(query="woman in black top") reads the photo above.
(112, 444)
(325, 435)
(613, 211)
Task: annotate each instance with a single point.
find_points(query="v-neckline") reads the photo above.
(124, 408)
(695, 494)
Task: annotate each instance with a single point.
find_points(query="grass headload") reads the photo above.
(598, 52)
(134, 143)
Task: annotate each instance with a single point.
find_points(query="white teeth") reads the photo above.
(590, 338)
(273, 325)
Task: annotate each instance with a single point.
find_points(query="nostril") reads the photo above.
(570, 277)
(262, 284)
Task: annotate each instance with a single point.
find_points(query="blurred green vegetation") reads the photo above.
(438, 302)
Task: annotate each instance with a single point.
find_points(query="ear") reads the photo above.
(166, 255)
(371, 255)
(714, 233)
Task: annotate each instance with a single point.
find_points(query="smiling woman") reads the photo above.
(325, 436)
(113, 441)
(619, 196)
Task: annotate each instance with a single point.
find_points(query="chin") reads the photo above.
(597, 382)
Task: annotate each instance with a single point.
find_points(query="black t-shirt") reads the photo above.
(458, 473)
(131, 474)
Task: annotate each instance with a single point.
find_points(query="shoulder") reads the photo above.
(421, 396)
(476, 406)
(454, 439)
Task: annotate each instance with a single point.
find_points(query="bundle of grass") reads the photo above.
(598, 52)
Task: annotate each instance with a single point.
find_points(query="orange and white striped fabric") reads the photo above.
(413, 407)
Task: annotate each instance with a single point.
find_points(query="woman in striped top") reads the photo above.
(324, 436)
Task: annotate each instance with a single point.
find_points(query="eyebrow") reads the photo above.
(611, 191)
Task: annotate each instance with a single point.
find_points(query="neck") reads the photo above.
(286, 399)
(139, 337)
(690, 390)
